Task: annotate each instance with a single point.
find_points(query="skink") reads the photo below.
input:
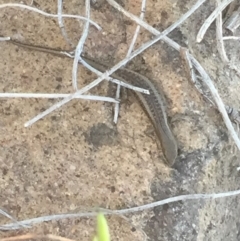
(153, 104)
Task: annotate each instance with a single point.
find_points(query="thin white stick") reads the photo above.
(149, 27)
(97, 72)
(197, 66)
(211, 18)
(116, 67)
(220, 44)
(13, 219)
(5, 38)
(218, 101)
(152, 30)
(47, 14)
(117, 96)
(231, 38)
(61, 23)
(143, 9)
(190, 71)
(79, 47)
(234, 21)
(13, 226)
(232, 112)
(88, 97)
(62, 102)
(116, 108)
(116, 81)
(55, 96)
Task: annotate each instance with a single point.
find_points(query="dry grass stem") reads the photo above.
(211, 18)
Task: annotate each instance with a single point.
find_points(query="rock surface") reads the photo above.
(76, 158)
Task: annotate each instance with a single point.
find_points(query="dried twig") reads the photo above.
(231, 38)
(231, 7)
(211, 18)
(55, 96)
(205, 77)
(13, 219)
(5, 38)
(88, 97)
(232, 113)
(117, 96)
(117, 66)
(234, 21)
(116, 81)
(217, 100)
(61, 24)
(13, 5)
(189, 70)
(149, 27)
(14, 226)
(131, 47)
(79, 47)
(219, 35)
